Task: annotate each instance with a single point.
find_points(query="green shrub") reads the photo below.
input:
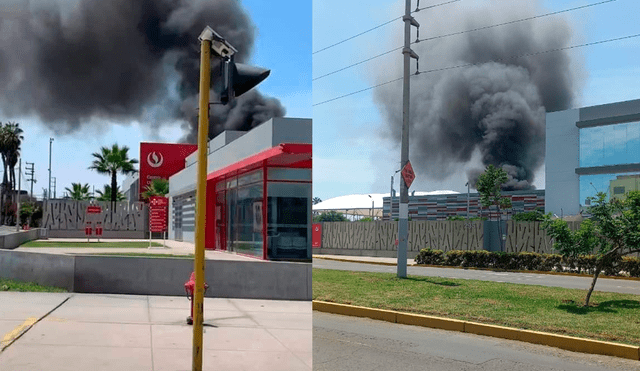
(628, 266)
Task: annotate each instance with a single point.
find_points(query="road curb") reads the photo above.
(558, 341)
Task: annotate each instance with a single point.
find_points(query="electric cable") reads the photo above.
(378, 26)
(417, 73)
(463, 32)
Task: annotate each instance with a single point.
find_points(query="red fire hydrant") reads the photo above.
(190, 287)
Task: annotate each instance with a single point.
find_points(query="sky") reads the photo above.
(352, 151)
(282, 44)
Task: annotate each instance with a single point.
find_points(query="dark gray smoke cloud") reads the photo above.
(493, 110)
(69, 62)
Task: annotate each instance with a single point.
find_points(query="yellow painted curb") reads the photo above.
(11, 336)
(559, 341)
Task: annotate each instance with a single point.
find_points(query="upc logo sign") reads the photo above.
(155, 159)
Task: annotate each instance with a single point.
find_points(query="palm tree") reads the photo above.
(106, 194)
(111, 161)
(10, 140)
(158, 187)
(78, 191)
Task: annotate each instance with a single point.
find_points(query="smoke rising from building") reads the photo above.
(121, 60)
(493, 110)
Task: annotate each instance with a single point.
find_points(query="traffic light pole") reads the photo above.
(201, 193)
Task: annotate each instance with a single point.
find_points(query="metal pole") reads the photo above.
(391, 200)
(467, 199)
(49, 188)
(201, 193)
(403, 223)
(18, 198)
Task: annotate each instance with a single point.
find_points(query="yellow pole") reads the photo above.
(201, 194)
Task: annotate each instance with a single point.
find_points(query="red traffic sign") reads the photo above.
(407, 174)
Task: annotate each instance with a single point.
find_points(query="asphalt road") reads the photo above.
(361, 344)
(603, 284)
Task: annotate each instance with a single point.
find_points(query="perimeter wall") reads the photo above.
(378, 238)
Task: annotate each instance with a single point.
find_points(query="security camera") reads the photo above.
(218, 44)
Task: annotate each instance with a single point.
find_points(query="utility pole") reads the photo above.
(54, 186)
(403, 222)
(49, 189)
(18, 198)
(30, 171)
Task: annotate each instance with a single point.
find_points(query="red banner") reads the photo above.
(161, 160)
(316, 235)
(158, 213)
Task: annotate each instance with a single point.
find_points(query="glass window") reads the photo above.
(253, 177)
(244, 206)
(614, 185)
(288, 220)
(278, 173)
(610, 145)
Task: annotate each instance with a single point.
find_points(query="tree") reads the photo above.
(78, 191)
(107, 194)
(529, 216)
(158, 187)
(111, 161)
(611, 233)
(330, 216)
(489, 185)
(316, 200)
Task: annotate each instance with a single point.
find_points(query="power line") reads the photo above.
(433, 6)
(463, 32)
(514, 21)
(479, 63)
(354, 36)
(380, 25)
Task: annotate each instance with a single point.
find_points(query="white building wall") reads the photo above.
(562, 184)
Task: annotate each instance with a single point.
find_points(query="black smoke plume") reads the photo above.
(493, 110)
(70, 61)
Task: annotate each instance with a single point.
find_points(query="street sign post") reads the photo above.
(158, 216)
(407, 174)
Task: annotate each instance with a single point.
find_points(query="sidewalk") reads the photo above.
(172, 248)
(363, 259)
(133, 332)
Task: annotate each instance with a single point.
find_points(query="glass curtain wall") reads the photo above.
(244, 197)
(289, 214)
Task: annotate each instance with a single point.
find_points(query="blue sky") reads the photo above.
(350, 153)
(282, 44)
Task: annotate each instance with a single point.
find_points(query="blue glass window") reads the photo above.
(610, 145)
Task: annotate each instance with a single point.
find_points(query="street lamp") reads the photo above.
(467, 200)
(49, 189)
(371, 206)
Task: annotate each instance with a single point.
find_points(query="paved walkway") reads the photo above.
(52, 331)
(172, 248)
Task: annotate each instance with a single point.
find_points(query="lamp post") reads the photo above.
(371, 206)
(49, 189)
(467, 200)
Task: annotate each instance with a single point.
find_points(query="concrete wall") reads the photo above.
(44, 269)
(13, 240)
(159, 276)
(562, 184)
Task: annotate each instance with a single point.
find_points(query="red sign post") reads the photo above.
(158, 215)
(93, 222)
(316, 235)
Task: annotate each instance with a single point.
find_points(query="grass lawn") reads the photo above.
(10, 285)
(611, 317)
(133, 244)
